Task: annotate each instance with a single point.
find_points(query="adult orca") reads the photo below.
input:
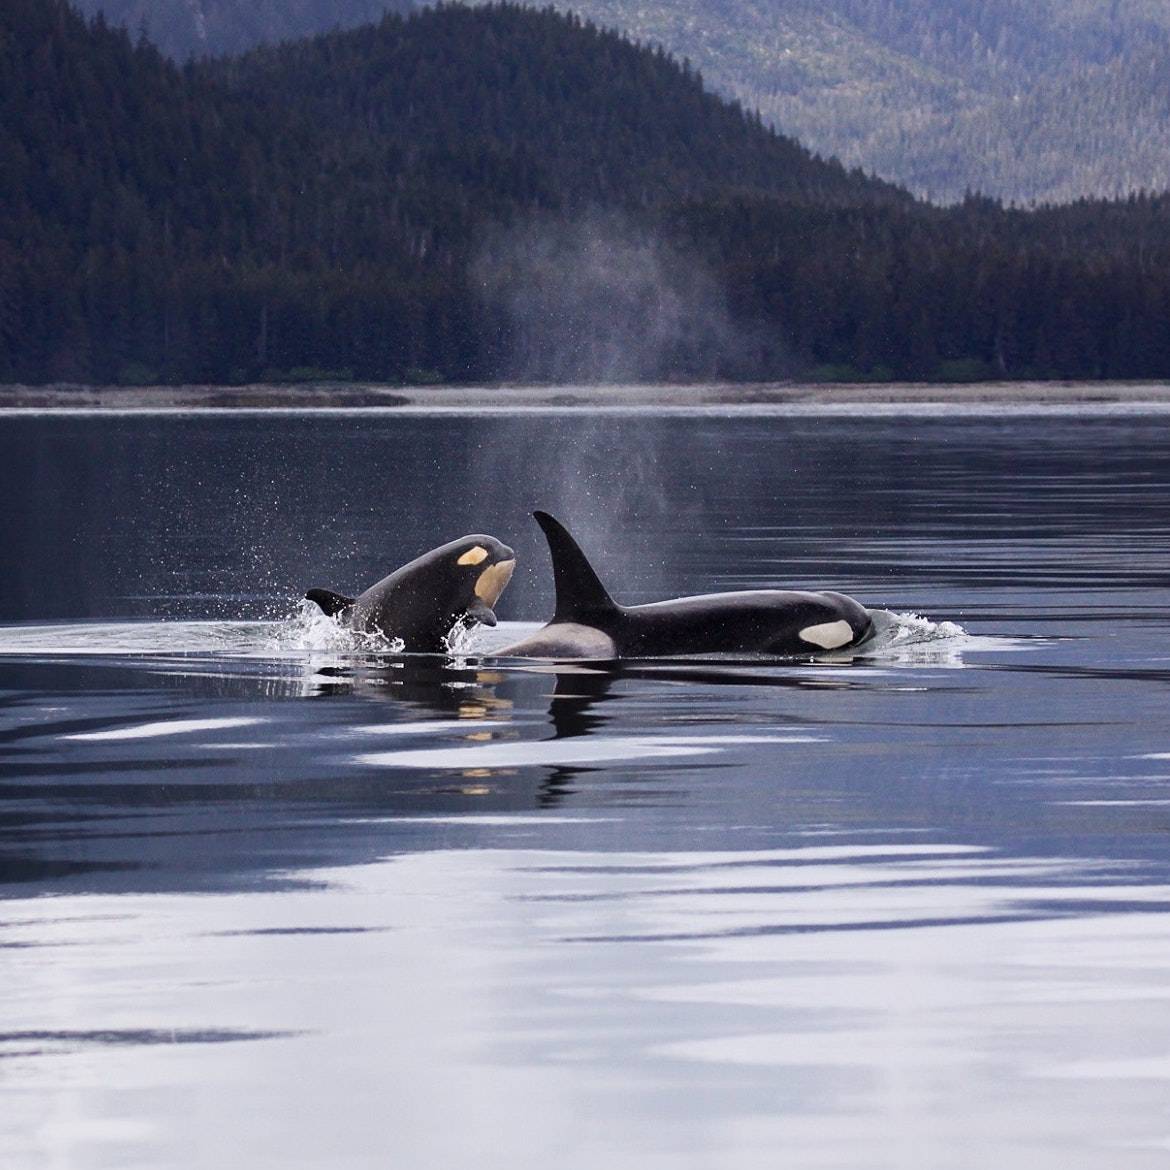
(588, 623)
(421, 603)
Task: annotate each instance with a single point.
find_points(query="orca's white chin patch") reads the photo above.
(493, 580)
(828, 635)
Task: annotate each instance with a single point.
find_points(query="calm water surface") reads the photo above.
(272, 900)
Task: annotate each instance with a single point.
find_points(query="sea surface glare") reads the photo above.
(277, 900)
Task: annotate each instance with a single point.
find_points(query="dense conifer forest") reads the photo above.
(474, 194)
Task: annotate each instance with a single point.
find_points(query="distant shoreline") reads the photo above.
(706, 397)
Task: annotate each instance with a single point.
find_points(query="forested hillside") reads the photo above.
(197, 28)
(500, 193)
(1021, 99)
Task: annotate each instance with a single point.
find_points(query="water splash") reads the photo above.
(903, 629)
(909, 639)
(311, 629)
(461, 639)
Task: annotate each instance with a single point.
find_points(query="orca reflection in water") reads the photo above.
(588, 623)
(421, 603)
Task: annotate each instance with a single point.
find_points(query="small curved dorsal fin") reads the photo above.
(580, 593)
(330, 602)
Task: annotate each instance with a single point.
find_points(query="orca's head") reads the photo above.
(464, 577)
(488, 565)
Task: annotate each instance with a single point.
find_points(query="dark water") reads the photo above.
(271, 901)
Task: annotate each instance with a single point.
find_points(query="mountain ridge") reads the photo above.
(1025, 100)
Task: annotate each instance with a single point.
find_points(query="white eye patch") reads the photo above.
(473, 556)
(829, 635)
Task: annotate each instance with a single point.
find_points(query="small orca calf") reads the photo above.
(422, 602)
(588, 623)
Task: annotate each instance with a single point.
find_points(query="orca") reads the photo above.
(422, 602)
(588, 623)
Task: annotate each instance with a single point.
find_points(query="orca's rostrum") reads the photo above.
(588, 623)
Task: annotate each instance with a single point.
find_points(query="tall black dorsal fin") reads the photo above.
(580, 593)
(330, 602)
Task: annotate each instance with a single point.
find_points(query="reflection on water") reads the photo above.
(271, 898)
(820, 1000)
